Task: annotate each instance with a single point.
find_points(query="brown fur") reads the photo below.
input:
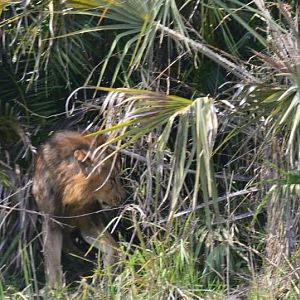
(71, 179)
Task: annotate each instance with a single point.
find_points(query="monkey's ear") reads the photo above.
(84, 161)
(81, 155)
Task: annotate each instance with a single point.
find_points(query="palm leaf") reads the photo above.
(136, 113)
(147, 21)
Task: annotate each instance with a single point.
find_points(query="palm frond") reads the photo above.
(146, 23)
(131, 114)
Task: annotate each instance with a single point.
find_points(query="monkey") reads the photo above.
(74, 178)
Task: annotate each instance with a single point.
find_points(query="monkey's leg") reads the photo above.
(52, 233)
(97, 236)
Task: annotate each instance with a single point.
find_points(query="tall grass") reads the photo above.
(213, 184)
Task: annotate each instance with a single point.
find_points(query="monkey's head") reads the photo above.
(102, 173)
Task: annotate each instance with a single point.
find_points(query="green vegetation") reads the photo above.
(202, 99)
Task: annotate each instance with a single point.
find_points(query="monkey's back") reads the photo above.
(57, 174)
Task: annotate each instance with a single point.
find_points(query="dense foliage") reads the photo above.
(202, 100)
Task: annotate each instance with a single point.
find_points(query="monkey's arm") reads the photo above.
(98, 237)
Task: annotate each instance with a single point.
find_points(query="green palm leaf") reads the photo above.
(136, 113)
(147, 22)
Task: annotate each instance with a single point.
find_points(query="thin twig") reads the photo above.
(235, 69)
(219, 199)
